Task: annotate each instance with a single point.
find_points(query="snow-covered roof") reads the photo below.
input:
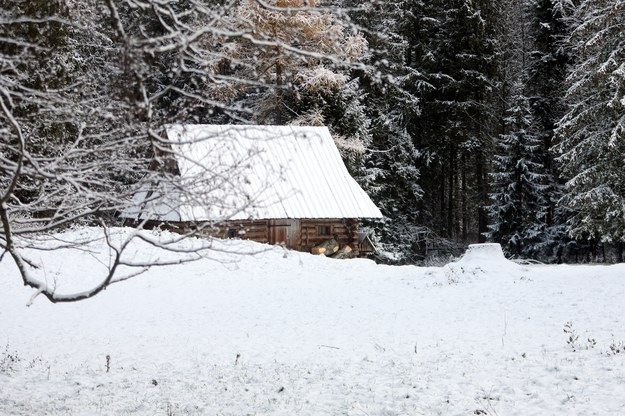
(259, 172)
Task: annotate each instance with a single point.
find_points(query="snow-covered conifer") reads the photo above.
(592, 132)
(548, 57)
(518, 209)
(391, 87)
(458, 122)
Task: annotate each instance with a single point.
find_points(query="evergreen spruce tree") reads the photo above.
(391, 105)
(518, 210)
(458, 122)
(547, 69)
(592, 132)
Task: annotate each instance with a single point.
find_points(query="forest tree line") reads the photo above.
(465, 120)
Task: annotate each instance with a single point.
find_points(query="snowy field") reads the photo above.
(286, 333)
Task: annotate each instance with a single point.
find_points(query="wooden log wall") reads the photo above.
(311, 232)
(343, 230)
(255, 230)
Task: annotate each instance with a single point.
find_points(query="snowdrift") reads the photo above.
(286, 333)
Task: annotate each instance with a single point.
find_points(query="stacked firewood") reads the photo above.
(332, 248)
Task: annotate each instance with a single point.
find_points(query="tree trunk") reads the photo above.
(482, 192)
(464, 208)
(450, 191)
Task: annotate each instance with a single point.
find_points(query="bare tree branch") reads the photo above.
(85, 101)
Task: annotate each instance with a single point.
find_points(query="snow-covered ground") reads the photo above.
(286, 333)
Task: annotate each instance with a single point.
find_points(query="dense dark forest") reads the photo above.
(465, 120)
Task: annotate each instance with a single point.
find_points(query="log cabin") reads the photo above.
(283, 185)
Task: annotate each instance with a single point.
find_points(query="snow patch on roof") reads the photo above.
(258, 172)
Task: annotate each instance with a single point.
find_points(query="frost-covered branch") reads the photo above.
(87, 89)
